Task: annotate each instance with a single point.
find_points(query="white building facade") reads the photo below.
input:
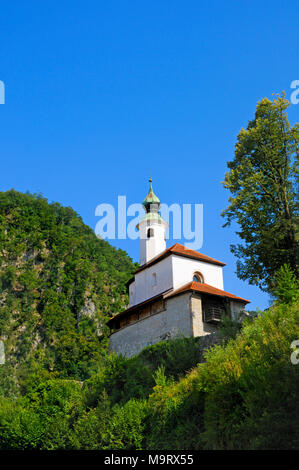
(175, 292)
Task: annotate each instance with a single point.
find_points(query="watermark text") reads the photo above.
(2, 353)
(184, 221)
(295, 94)
(2, 92)
(295, 354)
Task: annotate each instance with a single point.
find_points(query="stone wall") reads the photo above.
(207, 341)
(174, 321)
(199, 328)
(182, 316)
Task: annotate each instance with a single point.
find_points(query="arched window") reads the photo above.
(150, 232)
(198, 277)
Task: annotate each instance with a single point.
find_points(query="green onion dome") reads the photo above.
(151, 203)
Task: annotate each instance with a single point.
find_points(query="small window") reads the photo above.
(154, 279)
(150, 233)
(197, 277)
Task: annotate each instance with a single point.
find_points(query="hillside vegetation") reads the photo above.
(61, 389)
(58, 284)
(244, 396)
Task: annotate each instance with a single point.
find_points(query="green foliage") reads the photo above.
(61, 389)
(229, 328)
(103, 427)
(176, 418)
(244, 396)
(40, 419)
(109, 378)
(251, 386)
(128, 424)
(263, 181)
(58, 285)
(8, 278)
(286, 286)
(159, 376)
(124, 379)
(176, 356)
(20, 428)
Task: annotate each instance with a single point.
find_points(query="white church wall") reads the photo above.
(144, 288)
(184, 268)
(174, 321)
(154, 245)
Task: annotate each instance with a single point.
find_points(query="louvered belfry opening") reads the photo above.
(213, 310)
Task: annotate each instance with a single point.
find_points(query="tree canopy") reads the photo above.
(263, 181)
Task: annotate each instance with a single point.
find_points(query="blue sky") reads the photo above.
(98, 93)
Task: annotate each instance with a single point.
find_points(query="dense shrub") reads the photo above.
(244, 396)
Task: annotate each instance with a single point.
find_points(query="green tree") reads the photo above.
(263, 181)
(286, 286)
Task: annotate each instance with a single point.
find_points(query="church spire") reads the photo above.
(151, 203)
(152, 228)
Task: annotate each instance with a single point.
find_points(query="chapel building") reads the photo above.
(175, 292)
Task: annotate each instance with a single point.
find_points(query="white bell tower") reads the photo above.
(152, 229)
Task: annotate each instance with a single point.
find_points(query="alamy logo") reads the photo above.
(2, 92)
(2, 353)
(187, 221)
(295, 94)
(295, 354)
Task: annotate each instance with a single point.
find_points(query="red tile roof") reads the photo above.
(138, 306)
(205, 289)
(180, 250)
(194, 286)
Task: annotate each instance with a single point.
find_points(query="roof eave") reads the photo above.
(188, 288)
(138, 306)
(168, 252)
